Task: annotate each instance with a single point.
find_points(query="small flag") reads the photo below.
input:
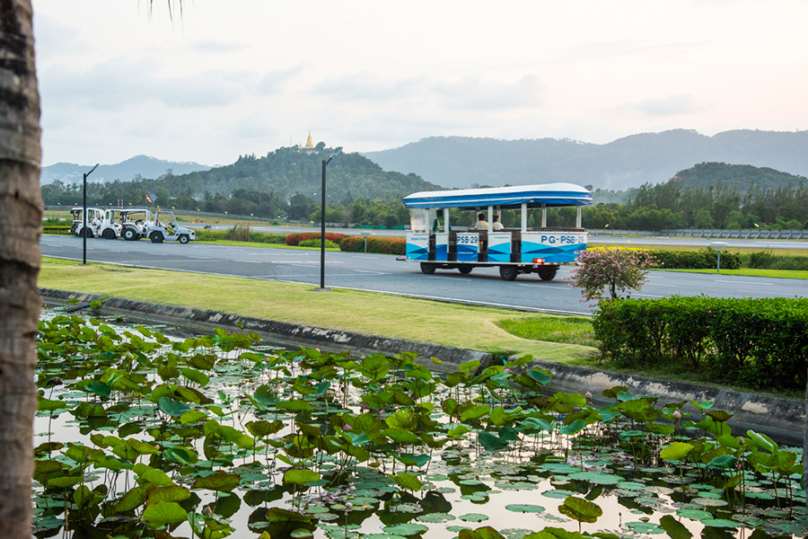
(149, 199)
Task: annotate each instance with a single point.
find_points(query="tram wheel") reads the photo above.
(548, 273)
(508, 273)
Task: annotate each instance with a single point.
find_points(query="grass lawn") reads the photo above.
(475, 328)
(782, 274)
(271, 245)
(771, 245)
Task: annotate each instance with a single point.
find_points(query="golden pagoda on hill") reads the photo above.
(309, 147)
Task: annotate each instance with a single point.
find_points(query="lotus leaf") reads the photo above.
(580, 509)
(405, 529)
(525, 508)
(164, 513)
(676, 451)
(473, 517)
(408, 481)
(300, 476)
(597, 478)
(475, 412)
(172, 407)
(219, 482)
(645, 527)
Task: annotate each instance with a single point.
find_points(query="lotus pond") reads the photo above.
(140, 435)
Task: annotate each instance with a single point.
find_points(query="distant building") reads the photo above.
(309, 147)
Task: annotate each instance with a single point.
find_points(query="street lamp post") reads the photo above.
(322, 221)
(719, 246)
(84, 215)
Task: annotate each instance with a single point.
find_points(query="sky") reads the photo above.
(235, 77)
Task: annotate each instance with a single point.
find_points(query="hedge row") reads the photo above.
(389, 246)
(58, 229)
(252, 237)
(768, 260)
(758, 343)
(295, 239)
(704, 259)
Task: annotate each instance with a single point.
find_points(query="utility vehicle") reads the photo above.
(165, 228)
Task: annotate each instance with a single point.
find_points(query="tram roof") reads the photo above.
(549, 194)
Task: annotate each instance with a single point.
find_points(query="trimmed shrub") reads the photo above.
(767, 260)
(252, 237)
(316, 243)
(704, 259)
(59, 229)
(382, 245)
(296, 238)
(759, 343)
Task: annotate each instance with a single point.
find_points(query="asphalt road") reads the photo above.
(383, 273)
(611, 240)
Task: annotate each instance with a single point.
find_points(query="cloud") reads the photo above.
(212, 46)
(666, 106)
(364, 86)
(472, 93)
(118, 84)
(54, 39)
(272, 81)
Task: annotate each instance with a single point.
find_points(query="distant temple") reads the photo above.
(309, 147)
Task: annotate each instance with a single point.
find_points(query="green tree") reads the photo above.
(703, 219)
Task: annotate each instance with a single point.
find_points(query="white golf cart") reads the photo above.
(134, 222)
(94, 217)
(165, 228)
(107, 226)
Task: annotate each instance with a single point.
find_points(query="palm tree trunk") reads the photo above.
(20, 225)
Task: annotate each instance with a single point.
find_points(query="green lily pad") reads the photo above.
(405, 529)
(720, 523)
(473, 517)
(558, 494)
(710, 502)
(645, 527)
(596, 478)
(436, 518)
(525, 508)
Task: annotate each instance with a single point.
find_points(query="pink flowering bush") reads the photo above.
(614, 270)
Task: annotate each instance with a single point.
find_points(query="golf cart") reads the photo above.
(165, 228)
(94, 217)
(134, 222)
(107, 226)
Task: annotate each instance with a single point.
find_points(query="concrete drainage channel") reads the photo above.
(782, 419)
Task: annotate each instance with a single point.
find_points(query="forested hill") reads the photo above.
(621, 164)
(287, 172)
(737, 177)
(260, 185)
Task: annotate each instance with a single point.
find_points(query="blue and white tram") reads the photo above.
(432, 242)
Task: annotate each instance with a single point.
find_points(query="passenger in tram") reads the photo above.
(497, 225)
(482, 224)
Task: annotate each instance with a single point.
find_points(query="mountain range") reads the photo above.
(624, 163)
(140, 165)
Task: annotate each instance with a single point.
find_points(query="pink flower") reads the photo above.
(588, 395)
(347, 428)
(676, 414)
(508, 370)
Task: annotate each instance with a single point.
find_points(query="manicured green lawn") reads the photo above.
(460, 326)
(782, 274)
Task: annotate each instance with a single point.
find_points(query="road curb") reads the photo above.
(280, 333)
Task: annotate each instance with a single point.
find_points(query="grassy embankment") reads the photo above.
(459, 326)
